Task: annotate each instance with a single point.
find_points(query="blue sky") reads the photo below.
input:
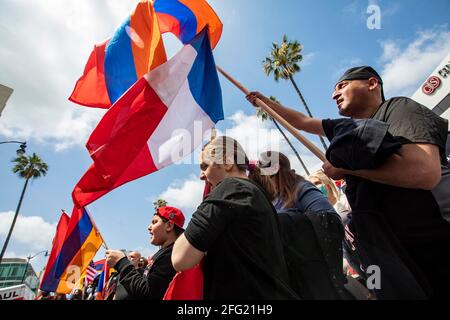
(45, 45)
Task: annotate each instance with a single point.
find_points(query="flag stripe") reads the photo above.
(70, 247)
(204, 80)
(180, 131)
(80, 261)
(186, 19)
(146, 42)
(120, 71)
(141, 107)
(90, 90)
(58, 241)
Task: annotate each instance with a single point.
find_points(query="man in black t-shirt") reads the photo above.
(393, 206)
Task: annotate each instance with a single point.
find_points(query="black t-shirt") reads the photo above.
(238, 228)
(412, 214)
(447, 149)
(413, 123)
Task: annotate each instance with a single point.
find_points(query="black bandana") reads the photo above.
(362, 73)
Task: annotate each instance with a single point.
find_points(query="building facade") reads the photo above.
(15, 271)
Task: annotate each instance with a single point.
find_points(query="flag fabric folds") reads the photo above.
(158, 121)
(186, 285)
(102, 282)
(49, 282)
(116, 64)
(187, 18)
(137, 47)
(81, 242)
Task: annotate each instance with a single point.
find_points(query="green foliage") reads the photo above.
(159, 203)
(283, 60)
(29, 167)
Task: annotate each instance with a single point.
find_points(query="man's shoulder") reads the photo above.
(402, 104)
(401, 108)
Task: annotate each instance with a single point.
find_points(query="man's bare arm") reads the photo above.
(295, 118)
(184, 255)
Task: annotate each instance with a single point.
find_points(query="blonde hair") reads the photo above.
(326, 181)
(226, 150)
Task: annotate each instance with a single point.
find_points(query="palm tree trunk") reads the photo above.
(306, 107)
(14, 220)
(290, 144)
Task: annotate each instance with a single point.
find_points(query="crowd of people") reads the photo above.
(265, 232)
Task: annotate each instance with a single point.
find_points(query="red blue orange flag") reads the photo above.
(49, 281)
(81, 242)
(137, 47)
(116, 64)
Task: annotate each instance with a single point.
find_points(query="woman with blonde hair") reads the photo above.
(329, 189)
(235, 230)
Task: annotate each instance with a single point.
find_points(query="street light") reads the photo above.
(21, 150)
(28, 262)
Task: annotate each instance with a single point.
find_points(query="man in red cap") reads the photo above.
(166, 226)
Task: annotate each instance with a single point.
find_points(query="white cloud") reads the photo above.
(44, 67)
(186, 194)
(404, 69)
(256, 136)
(308, 59)
(33, 232)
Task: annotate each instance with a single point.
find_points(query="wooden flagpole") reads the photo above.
(308, 144)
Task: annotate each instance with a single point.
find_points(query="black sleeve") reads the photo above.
(328, 126)
(414, 123)
(215, 213)
(151, 286)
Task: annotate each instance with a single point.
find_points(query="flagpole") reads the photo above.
(308, 144)
(104, 245)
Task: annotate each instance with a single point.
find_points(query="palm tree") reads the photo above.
(283, 62)
(26, 167)
(260, 113)
(159, 203)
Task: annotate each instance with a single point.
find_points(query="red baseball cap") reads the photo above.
(172, 214)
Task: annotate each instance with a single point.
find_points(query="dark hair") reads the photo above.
(178, 231)
(285, 183)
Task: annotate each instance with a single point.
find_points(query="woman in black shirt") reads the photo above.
(235, 229)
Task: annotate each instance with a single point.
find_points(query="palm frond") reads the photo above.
(28, 167)
(283, 59)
